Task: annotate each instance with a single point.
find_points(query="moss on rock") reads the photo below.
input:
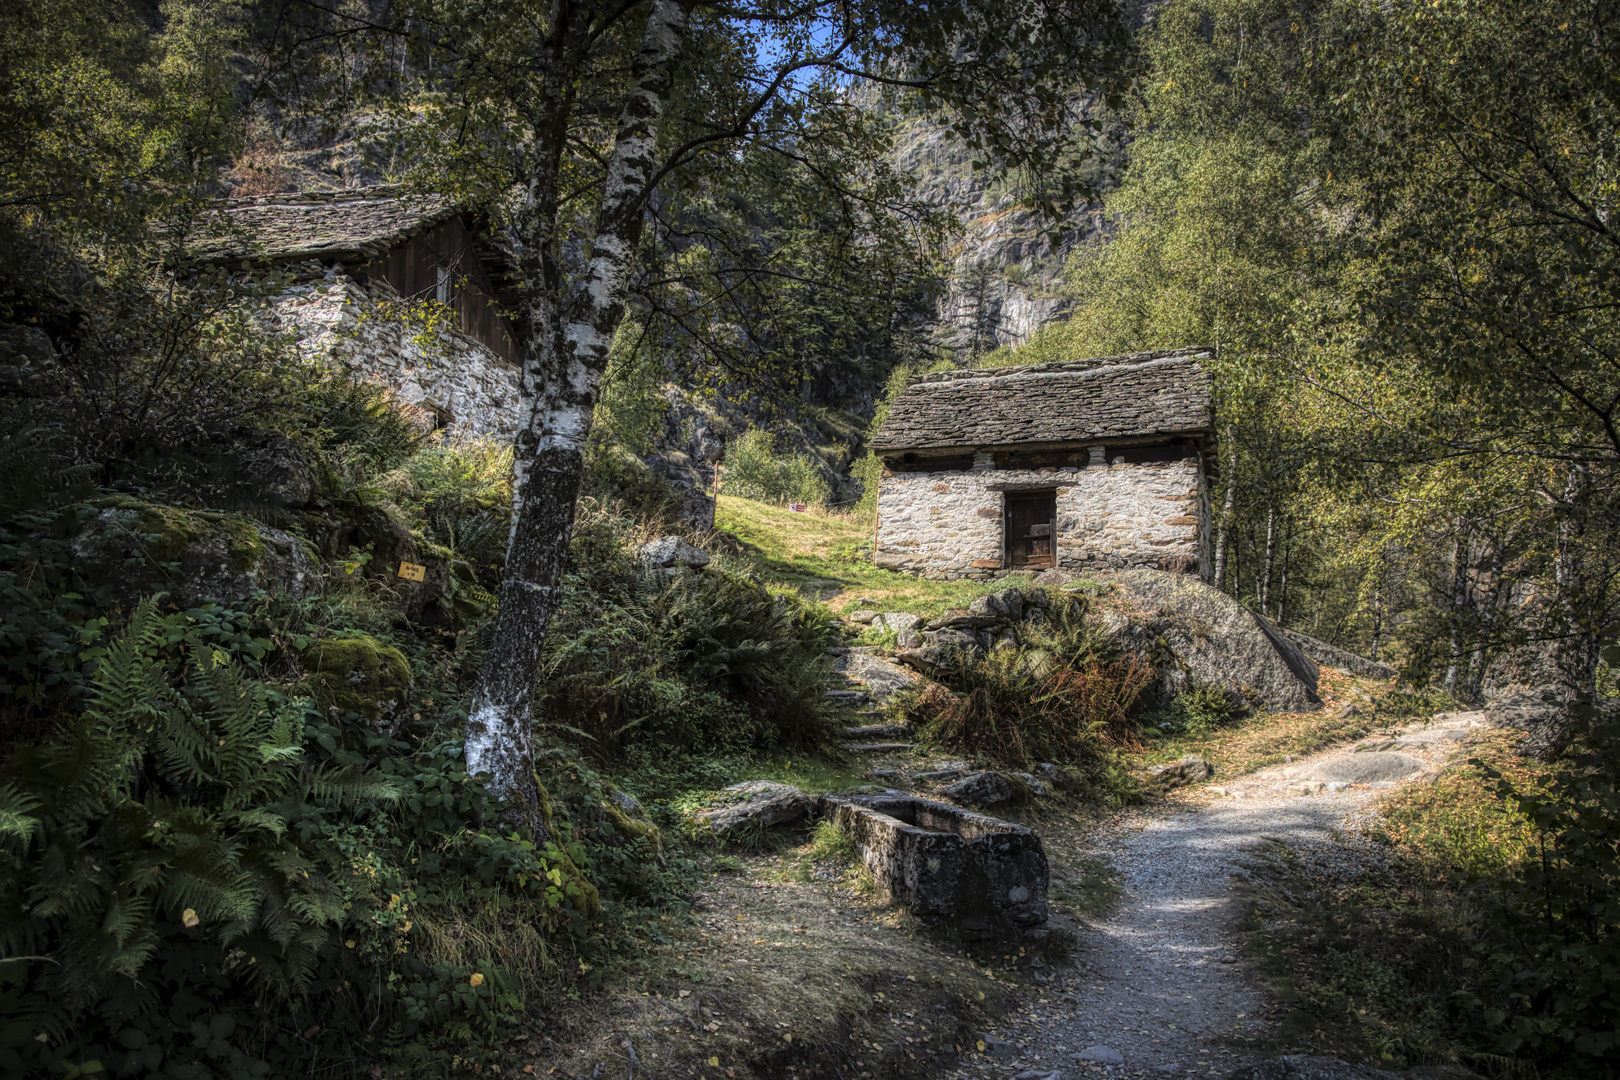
(139, 547)
(358, 674)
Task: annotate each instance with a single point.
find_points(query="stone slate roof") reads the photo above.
(332, 226)
(1137, 395)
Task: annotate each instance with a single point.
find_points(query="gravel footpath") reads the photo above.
(1155, 988)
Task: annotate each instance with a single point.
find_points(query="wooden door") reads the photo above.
(1030, 528)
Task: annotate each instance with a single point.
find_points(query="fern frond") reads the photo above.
(17, 822)
(327, 783)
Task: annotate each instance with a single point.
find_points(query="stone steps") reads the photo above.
(877, 731)
(847, 697)
(877, 748)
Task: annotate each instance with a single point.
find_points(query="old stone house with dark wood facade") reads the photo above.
(361, 263)
(1089, 465)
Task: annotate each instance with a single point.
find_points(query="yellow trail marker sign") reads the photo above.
(412, 572)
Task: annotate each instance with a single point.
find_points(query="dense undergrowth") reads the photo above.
(1053, 692)
(236, 834)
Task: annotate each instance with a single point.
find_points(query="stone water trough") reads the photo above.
(982, 875)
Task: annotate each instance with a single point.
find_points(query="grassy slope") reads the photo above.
(818, 553)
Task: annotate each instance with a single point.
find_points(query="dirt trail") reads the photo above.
(1154, 988)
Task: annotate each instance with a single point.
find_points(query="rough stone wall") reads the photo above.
(1109, 517)
(340, 322)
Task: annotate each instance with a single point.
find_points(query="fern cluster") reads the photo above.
(696, 662)
(159, 808)
(199, 876)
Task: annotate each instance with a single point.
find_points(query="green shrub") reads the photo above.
(706, 661)
(1548, 958)
(755, 469)
(1196, 711)
(1056, 697)
(1016, 709)
(203, 877)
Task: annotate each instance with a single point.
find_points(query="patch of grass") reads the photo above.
(777, 978)
(819, 552)
(1260, 741)
(1381, 965)
(1360, 969)
(1459, 821)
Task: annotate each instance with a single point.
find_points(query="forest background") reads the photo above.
(1395, 226)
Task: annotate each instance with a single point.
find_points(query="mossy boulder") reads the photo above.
(358, 674)
(139, 547)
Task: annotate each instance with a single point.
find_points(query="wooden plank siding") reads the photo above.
(446, 253)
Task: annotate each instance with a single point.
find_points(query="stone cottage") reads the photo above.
(360, 264)
(1089, 465)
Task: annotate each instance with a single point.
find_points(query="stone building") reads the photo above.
(361, 263)
(1091, 465)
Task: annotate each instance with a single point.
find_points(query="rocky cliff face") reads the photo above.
(1007, 263)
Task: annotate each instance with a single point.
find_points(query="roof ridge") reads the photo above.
(1062, 366)
(326, 198)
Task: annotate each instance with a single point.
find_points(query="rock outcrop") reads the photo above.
(755, 806)
(140, 548)
(359, 674)
(1542, 714)
(1192, 632)
(1333, 656)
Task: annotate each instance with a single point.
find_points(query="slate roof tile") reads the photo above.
(1130, 396)
(339, 226)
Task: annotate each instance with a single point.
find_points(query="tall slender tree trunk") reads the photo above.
(1493, 608)
(1262, 577)
(1224, 527)
(566, 356)
(1282, 585)
(1459, 590)
(1378, 622)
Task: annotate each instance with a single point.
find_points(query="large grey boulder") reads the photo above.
(1368, 768)
(1333, 656)
(982, 875)
(1189, 631)
(756, 805)
(882, 679)
(1308, 1067)
(673, 554)
(1541, 713)
(193, 555)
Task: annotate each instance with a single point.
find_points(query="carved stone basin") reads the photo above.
(982, 875)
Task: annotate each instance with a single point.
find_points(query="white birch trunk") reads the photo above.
(1222, 531)
(567, 354)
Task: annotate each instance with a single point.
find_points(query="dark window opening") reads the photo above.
(1046, 459)
(1146, 455)
(909, 463)
(1030, 529)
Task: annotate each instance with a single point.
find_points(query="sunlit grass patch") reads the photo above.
(1260, 741)
(826, 555)
(1458, 823)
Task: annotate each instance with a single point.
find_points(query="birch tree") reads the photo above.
(570, 120)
